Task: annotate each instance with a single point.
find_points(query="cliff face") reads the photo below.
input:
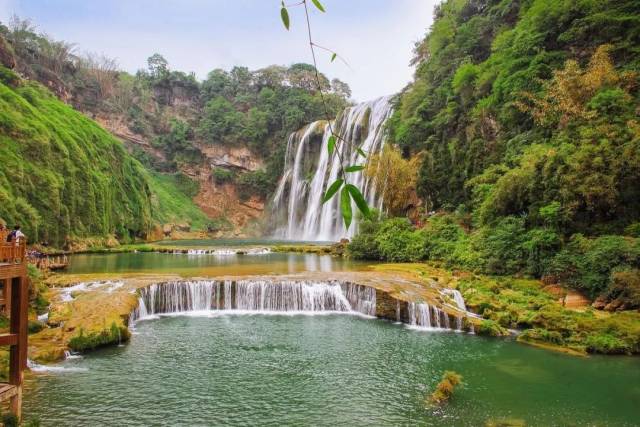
(221, 199)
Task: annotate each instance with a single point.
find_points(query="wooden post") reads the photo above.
(7, 296)
(18, 353)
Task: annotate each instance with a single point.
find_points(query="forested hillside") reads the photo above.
(63, 177)
(219, 142)
(525, 115)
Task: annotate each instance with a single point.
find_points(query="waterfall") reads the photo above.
(456, 296)
(309, 170)
(285, 296)
(259, 296)
(429, 316)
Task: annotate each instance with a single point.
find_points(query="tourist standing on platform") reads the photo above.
(15, 234)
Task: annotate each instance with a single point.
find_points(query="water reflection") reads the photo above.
(270, 263)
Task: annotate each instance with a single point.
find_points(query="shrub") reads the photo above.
(624, 288)
(254, 183)
(223, 176)
(8, 77)
(502, 246)
(542, 335)
(633, 230)
(587, 263)
(398, 242)
(445, 388)
(34, 326)
(441, 236)
(10, 420)
(491, 328)
(93, 340)
(364, 244)
(606, 344)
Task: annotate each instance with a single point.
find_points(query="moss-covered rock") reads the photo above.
(491, 328)
(91, 340)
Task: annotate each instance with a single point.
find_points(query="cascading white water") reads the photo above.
(218, 252)
(456, 296)
(255, 296)
(298, 198)
(282, 296)
(429, 316)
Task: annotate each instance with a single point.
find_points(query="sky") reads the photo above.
(376, 37)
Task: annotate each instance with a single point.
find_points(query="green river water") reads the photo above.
(274, 370)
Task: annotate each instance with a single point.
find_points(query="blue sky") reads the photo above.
(375, 36)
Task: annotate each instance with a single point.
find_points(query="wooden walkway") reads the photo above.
(14, 303)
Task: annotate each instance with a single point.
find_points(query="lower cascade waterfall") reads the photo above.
(430, 316)
(309, 170)
(291, 296)
(255, 296)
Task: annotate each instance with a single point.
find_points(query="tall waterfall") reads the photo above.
(256, 296)
(309, 170)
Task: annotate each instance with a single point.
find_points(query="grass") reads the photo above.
(172, 205)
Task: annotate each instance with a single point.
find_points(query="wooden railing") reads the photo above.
(13, 252)
(15, 303)
(47, 262)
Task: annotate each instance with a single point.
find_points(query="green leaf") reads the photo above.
(333, 57)
(318, 5)
(362, 153)
(331, 145)
(284, 14)
(345, 207)
(361, 203)
(333, 189)
(354, 168)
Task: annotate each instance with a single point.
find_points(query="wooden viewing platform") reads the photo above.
(14, 302)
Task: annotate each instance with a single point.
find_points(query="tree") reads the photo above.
(395, 179)
(340, 88)
(221, 122)
(158, 66)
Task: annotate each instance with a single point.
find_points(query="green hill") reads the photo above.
(62, 176)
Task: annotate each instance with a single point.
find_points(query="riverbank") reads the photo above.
(538, 312)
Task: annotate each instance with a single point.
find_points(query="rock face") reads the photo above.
(238, 158)
(221, 200)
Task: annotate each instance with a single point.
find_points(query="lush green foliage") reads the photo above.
(523, 105)
(605, 265)
(517, 303)
(63, 176)
(261, 108)
(526, 118)
(175, 112)
(90, 341)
